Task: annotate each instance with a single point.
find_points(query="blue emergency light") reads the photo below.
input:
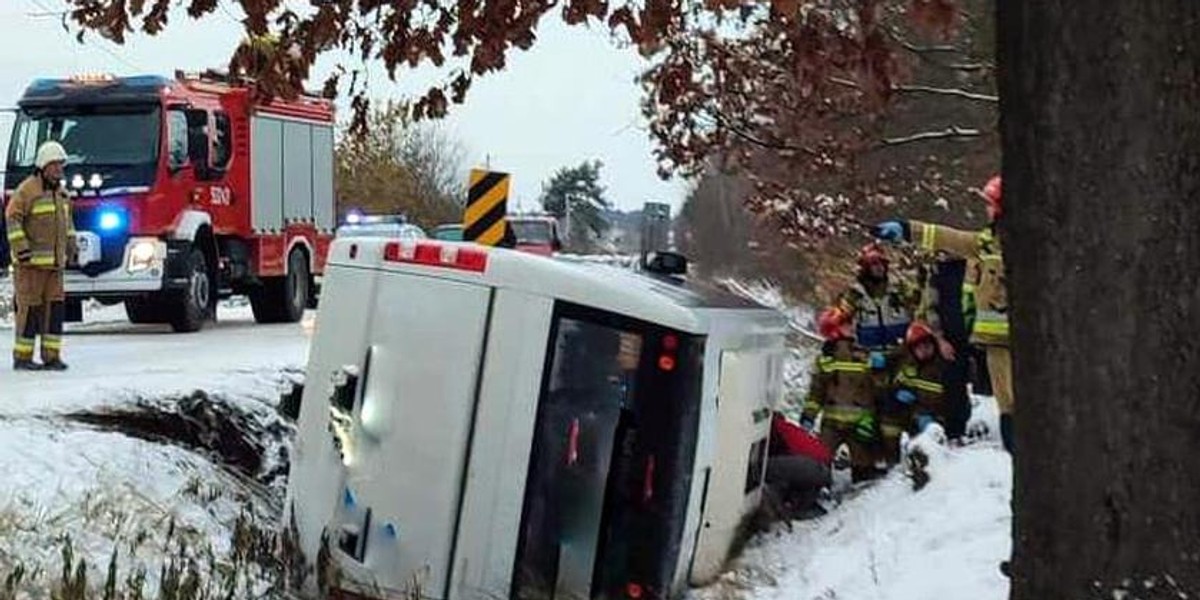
(110, 220)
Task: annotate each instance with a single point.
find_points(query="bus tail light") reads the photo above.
(437, 255)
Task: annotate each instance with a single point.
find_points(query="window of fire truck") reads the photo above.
(98, 136)
(177, 139)
(222, 141)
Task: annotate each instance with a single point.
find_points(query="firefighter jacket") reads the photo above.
(842, 386)
(924, 380)
(40, 224)
(990, 327)
(882, 316)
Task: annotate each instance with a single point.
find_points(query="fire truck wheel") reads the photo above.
(283, 299)
(189, 309)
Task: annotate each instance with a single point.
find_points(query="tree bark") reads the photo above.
(1100, 106)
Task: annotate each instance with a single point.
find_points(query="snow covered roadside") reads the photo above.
(891, 543)
(884, 541)
(163, 448)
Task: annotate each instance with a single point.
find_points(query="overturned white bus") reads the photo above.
(491, 424)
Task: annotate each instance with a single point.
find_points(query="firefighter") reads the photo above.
(917, 379)
(880, 309)
(42, 240)
(990, 327)
(843, 392)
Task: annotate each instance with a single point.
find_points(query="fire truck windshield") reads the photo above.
(125, 137)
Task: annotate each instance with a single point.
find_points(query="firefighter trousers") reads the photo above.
(836, 434)
(1000, 367)
(40, 312)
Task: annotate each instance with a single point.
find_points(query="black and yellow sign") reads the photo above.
(484, 221)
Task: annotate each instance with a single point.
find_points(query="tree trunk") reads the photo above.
(1101, 138)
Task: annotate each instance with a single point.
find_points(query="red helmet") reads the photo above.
(918, 332)
(872, 254)
(833, 325)
(991, 191)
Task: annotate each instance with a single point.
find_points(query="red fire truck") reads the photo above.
(187, 190)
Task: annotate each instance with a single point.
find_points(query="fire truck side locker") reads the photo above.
(291, 180)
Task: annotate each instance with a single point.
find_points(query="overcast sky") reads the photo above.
(571, 98)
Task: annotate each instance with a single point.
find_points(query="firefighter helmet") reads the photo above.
(918, 332)
(991, 191)
(50, 152)
(872, 254)
(833, 324)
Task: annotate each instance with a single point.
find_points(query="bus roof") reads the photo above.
(686, 306)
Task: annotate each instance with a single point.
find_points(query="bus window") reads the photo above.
(611, 463)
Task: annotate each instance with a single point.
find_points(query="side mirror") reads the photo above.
(556, 245)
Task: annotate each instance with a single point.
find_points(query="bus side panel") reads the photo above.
(414, 427)
(339, 340)
(495, 487)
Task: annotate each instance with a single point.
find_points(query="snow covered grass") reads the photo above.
(164, 449)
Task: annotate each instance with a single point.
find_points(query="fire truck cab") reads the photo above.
(486, 423)
(186, 190)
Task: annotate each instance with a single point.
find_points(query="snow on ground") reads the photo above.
(884, 541)
(891, 543)
(152, 483)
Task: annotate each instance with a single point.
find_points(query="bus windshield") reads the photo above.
(91, 135)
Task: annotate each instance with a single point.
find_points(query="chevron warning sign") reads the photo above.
(484, 221)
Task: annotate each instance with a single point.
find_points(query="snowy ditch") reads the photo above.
(175, 496)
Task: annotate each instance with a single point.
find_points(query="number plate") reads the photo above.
(87, 245)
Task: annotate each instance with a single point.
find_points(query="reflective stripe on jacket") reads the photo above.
(40, 224)
(879, 322)
(991, 298)
(842, 386)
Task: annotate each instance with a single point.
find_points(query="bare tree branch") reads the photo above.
(746, 136)
(925, 89)
(948, 133)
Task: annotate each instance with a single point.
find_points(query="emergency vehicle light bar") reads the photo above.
(436, 255)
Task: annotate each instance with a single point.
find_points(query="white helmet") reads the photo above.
(50, 152)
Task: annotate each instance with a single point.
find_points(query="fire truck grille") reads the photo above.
(112, 244)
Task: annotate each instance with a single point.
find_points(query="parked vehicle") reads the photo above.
(187, 190)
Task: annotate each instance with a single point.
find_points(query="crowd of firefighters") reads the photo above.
(897, 358)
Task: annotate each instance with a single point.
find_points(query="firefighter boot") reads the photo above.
(28, 325)
(52, 338)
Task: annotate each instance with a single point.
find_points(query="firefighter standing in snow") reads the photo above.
(880, 309)
(843, 390)
(42, 240)
(915, 398)
(990, 328)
